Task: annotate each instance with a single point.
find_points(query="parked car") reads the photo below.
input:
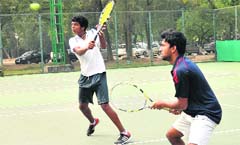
(72, 57)
(121, 51)
(1, 72)
(192, 49)
(156, 49)
(209, 47)
(139, 51)
(195, 49)
(142, 44)
(32, 56)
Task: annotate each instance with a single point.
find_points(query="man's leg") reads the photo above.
(103, 100)
(113, 116)
(88, 114)
(124, 135)
(179, 129)
(174, 137)
(86, 111)
(201, 130)
(85, 97)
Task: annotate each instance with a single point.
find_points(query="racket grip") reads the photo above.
(95, 38)
(167, 109)
(98, 30)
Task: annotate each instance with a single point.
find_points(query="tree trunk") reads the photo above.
(128, 32)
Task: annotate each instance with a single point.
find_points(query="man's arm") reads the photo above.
(179, 104)
(102, 39)
(82, 50)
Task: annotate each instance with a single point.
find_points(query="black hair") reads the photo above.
(175, 38)
(83, 22)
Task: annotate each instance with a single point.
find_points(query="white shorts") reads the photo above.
(196, 129)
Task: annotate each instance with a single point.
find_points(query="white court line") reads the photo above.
(165, 139)
(149, 141)
(231, 106)
(37, 105)
(22, 113)
(227, 131)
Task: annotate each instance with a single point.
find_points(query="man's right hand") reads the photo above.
(91, 44)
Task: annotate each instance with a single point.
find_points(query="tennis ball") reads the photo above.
(184, 1)
(35, 6)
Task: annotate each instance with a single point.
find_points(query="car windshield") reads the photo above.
(26, 53)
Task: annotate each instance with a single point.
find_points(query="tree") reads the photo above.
(199, 19)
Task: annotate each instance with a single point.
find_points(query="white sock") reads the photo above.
(94, 122)
(125, 132)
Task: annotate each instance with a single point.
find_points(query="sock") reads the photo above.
(94, 122)
(125, 132)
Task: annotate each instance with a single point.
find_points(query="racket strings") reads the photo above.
(127, 98)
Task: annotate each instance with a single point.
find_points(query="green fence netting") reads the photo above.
(228, 50)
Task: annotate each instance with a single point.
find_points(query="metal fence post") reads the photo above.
(1, 46)
(116, 36)
(150, 35)
(183, 20)
(214, 32)
(236, 23)
(214, 25)
(40, 39)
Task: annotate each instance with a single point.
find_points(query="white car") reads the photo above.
(139, 51)
(121, 50)
(156, 49)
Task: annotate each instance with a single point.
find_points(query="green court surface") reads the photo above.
(43, 109)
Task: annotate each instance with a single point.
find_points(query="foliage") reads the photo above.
(198, 24)
(200, 17)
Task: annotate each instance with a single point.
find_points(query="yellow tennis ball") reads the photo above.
(35, 6)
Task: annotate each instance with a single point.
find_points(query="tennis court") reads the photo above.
(43, 109)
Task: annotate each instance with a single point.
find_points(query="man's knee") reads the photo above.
(83, 107)
(169, 135)
(106, 107)
(173, 134)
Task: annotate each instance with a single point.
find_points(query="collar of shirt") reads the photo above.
(176, 61)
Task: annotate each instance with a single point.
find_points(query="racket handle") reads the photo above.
(167, 109)
(98, 30)
(95, 38)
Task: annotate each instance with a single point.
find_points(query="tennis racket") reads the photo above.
(129, 97)
(105, 15)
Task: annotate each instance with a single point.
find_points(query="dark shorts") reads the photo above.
(93, 84)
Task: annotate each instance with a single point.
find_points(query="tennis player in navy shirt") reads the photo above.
(195, 101)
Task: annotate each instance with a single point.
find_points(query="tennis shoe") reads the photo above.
(91, 127)
(123, 138)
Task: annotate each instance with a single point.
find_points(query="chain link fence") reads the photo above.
(132, 36)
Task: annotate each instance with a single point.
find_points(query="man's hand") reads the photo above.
(91, 44)
(104, 27)
(175, 112)
(158, 105)
(101, 32)
(103, 43)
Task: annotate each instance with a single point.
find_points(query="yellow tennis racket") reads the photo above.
(105, 15)
(129, 97)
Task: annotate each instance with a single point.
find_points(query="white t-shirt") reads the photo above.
(91, 62)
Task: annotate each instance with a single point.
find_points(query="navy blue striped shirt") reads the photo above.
(190, 83)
